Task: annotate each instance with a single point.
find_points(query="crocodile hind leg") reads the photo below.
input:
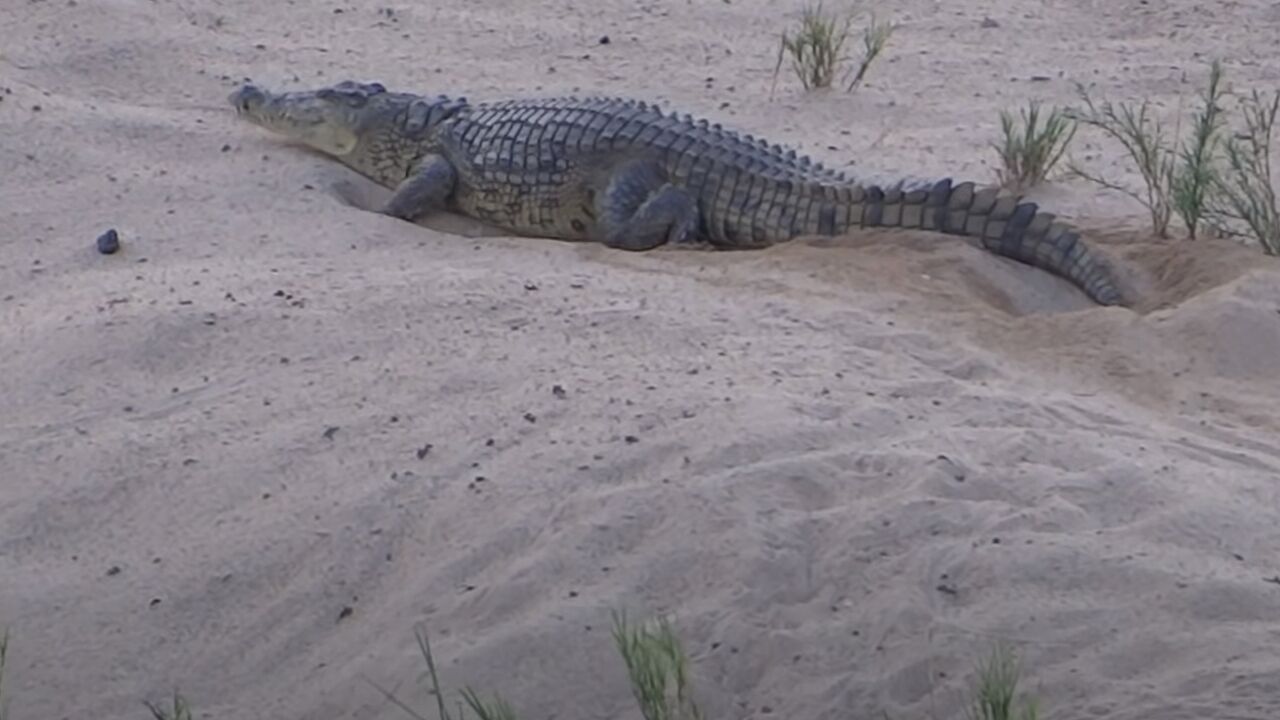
(425, 190)
(640, 210)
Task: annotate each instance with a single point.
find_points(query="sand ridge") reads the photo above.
(245, 455)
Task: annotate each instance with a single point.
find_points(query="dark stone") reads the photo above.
(109, 242)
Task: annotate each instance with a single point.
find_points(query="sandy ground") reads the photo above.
(248, 453)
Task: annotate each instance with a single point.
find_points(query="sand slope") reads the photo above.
(248, 453)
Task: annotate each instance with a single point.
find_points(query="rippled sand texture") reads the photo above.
(246, 454)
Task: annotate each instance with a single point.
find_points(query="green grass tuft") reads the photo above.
(996, 690)
(658, 669)
(1244, 194)
(180, 710)
(816, 48)
(1030, 150)
(495, 709)
(874, 39)
(1193, 178)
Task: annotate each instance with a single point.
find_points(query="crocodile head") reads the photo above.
(377, 132)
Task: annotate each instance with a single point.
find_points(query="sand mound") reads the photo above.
(247, 453)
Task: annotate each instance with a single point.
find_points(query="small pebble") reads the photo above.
(109, 242)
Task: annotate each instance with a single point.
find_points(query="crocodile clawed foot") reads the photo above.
(400, 213)
(684, 235)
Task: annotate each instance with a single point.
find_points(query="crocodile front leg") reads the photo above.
(640, 210)
(424, 191)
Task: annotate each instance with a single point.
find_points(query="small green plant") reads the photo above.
(496, 709)
(1143, 137)
(996, 689)
(1030, 150)
(1180, 175)
(180, 710)
(1243, 194)
(874, 39)
(1193, 178)
(656, 662)
(817, 46)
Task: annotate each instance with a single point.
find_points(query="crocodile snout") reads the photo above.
(247, 98)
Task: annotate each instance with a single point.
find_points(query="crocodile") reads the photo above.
(623, 172)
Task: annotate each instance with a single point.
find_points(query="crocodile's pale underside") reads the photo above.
(626, 174)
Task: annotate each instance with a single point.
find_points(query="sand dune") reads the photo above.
(246, 454)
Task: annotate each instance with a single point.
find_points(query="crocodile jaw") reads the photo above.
(309, 117)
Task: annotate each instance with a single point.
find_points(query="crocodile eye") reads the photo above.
(418, 116)
(352, 93)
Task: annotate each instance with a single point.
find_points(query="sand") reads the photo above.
(248, 453)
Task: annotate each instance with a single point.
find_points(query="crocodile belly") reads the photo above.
(526, 204)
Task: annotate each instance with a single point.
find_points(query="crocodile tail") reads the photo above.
(1004, 225)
